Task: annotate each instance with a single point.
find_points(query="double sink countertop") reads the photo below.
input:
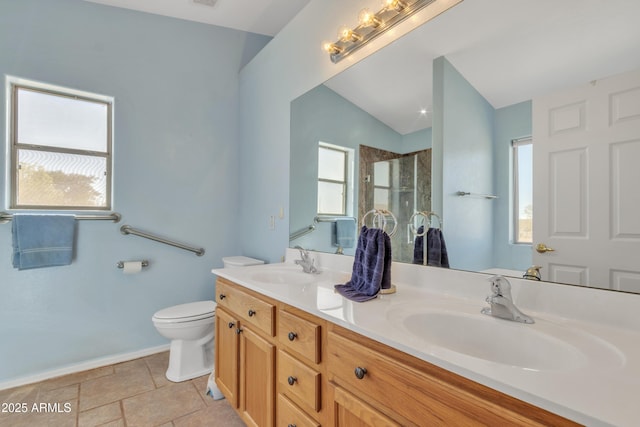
(580, 359)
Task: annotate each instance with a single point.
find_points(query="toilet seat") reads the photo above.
(186, 312)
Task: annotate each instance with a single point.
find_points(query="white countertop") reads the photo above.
(601, 390)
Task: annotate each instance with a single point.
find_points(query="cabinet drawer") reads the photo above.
(298, 382)
(299, 335)
(417, 396)
(290, 415)
(253, 310)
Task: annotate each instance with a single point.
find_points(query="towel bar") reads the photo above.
(114, 216)
(484, 196)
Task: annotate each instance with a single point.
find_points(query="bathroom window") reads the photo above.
(60, 147)
(522, 190)
(333, 167)
(382, 184)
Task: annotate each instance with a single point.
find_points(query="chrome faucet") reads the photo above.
(307, 263)
(501, 303)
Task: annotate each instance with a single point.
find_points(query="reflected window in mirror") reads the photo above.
(522, 190)
(334, 179)
(381, 185)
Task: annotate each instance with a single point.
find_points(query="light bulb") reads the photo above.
(346, 34)
(366, 18)
(330, 47)
(394, 4)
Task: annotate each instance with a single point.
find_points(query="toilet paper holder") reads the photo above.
(120, 264)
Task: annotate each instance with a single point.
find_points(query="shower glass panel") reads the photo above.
(400, 183)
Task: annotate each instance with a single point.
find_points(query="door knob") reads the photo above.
(542, 248)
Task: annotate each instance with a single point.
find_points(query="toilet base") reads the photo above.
(188, 360)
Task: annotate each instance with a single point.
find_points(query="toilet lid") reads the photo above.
(190, 311)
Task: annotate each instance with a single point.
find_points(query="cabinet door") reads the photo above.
(226, 356)
(257, 384)
(349, 411)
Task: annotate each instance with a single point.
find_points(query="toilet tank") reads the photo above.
(240, 261)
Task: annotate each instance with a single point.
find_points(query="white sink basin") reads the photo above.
(283, 276)
(542, 346)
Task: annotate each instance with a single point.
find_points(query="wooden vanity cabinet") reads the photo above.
(376, 383)
(278, 365)
(245, 353)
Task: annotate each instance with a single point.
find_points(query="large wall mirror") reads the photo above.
(451, 120)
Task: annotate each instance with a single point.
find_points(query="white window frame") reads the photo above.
(348, 188)
(515, 143)
(12, 85)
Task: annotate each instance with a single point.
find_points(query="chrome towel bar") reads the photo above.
(115, 217)
(484, 196)
(127, 229)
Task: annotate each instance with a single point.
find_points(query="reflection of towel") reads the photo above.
(344, 232)
(437, 255)
(42, 240)
(371, 266)
(418, 247)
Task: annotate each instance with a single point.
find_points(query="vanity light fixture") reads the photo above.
(371, 25)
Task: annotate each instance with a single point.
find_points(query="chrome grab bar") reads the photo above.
(300, 233)
(127, 229)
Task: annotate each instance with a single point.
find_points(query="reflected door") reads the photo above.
(586, 177)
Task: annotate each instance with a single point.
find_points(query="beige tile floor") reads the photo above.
(129, 394)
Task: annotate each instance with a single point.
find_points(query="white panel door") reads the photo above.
(586, 192)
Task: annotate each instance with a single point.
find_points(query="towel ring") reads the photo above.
(413, 227)
(437, 216)
(427, 216)
(380, 220)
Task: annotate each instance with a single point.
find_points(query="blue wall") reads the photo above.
(463, 153)
(416, 141)
(176, 169)
(323, 115)
(511, 122)
(472, 152)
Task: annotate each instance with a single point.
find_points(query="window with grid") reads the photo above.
(332, 180)
(61, 143)
(522, 190)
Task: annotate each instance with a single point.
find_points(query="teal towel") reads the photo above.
(42, 240)
(344, 232)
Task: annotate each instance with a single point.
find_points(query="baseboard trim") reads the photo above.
(83, 366)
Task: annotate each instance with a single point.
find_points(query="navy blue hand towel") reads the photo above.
(437, 255)
(371, 267)
(42, 240)
(436, 249)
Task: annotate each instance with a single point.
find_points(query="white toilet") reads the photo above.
(190, 327)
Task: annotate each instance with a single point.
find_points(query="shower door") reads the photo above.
(402, 185)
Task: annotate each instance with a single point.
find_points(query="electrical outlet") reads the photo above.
(272, 222)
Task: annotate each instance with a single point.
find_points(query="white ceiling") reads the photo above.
(256, 16)
(509, 50)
